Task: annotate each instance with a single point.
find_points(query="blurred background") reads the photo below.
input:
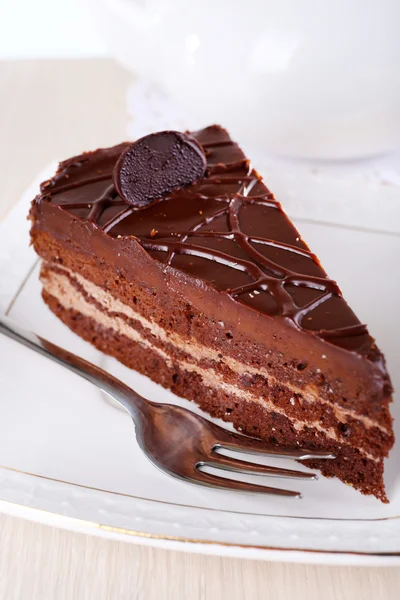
(302, 78)
(49, 29)
(310, 88)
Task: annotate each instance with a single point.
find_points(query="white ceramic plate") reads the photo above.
(69, 457)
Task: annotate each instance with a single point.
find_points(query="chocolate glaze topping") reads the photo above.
(226, 229)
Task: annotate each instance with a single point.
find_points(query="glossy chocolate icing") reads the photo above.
(225, 229)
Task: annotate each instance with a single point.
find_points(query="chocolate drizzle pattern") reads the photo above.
(214, 230)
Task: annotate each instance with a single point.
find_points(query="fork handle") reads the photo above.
(128, 398)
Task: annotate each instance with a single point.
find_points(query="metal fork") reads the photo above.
(176, 440)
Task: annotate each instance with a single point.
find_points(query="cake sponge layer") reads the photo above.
(260, 411)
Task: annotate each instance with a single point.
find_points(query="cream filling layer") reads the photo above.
(198, 351)
(61, 288)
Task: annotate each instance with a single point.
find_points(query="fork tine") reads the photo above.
(240, 443)
(243, 466)
(221, 483)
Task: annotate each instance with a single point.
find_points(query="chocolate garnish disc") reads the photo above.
(156, 164)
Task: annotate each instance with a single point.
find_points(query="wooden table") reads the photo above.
(53, 109)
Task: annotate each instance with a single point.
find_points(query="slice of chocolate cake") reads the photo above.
(192, 274)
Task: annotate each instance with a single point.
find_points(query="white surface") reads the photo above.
(69, 433)
(48, 29)
(300, 78)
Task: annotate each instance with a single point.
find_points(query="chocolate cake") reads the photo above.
(171, 255)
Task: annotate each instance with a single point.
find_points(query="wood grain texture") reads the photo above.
(51, 110)
(46, 563)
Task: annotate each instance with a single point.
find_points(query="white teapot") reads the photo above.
(301, 78)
